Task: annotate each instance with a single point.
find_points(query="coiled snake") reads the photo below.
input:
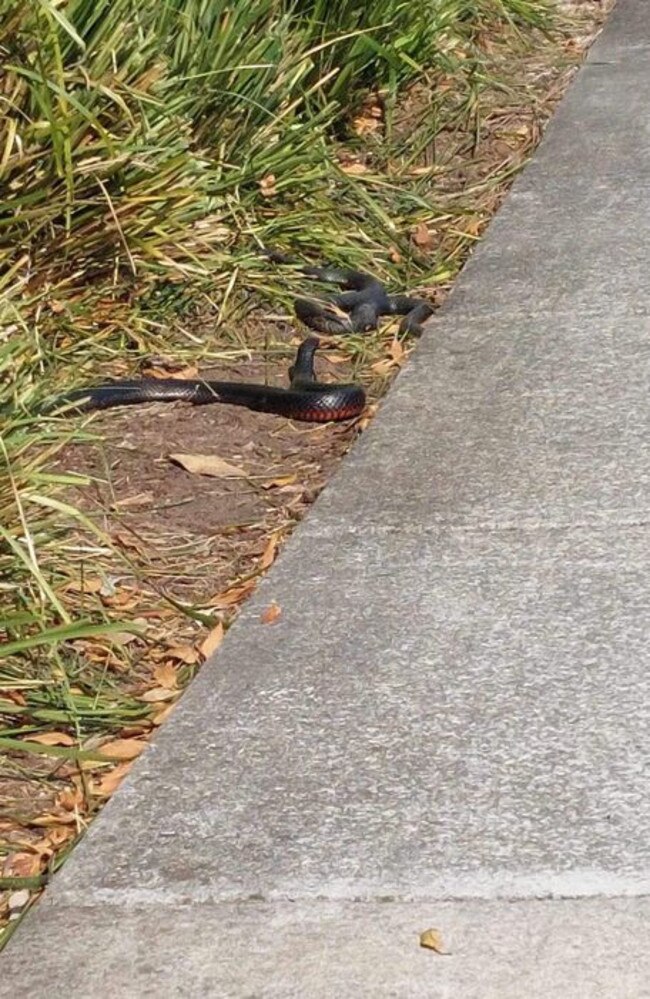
(357, 308)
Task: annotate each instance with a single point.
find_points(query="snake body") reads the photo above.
(359, 307)
(305, 399)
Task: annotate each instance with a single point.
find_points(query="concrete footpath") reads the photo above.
(448, 725)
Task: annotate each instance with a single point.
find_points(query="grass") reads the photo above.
(147, 152)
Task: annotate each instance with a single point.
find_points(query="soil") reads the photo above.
(226, 521)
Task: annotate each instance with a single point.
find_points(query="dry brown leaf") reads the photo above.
(21, 865)
(157, 694)
(271, 550)
(354, 169)
(53, 739)
(126, 540)
(140, 499)
(124, 599)
(83, 586)
(383, 367)
(213, 641)
(15, 697)
(397, 353)
(271, 614)
(207, 464)
(55, 819)
(184, 653)
(121, 638)
(17, 901)
(432, 940)
(163, 715)
(122, 749)
(70, 799)
(421, 236)
(367, 417)
(110, 782)
(474, 228)
(165, 674)
(234, 595)
(59, 835)
(280, 482)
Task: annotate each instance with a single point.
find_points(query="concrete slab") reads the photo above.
(502, 422)
(592, 949)
(448, 722)
(627, 34)
(463, 717)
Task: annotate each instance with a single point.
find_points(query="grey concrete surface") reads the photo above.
(448, 724)
(627, 33)
(495, 950)
(458, 720)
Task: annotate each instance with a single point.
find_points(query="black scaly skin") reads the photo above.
(359, 306)
(305, 399)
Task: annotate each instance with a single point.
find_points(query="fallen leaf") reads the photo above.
(139, 500)
(157, 694)
(234, 595)
(367, 417)
(122, 638)
(166, 675)
(126, 540)
(213, 641)
(184, 653)
(271, 614)
(383, 367)
(55, 819)
(282, 480)
(474, 228)
(21, 865)
(163, 715)
(432, 940)
(110, 782)
(70, 799)
(421, 236)
(397, 353)
(355, 169)
(271, 550)
(124, 599)
(207, 464)
(15, 697)
(59, 835)
(53, 739)
(17, 902)
(83, 586)
(122, 749)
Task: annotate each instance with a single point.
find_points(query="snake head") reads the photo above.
(364, 317)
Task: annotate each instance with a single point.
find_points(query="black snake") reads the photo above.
(305, 399)
(357, 308)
